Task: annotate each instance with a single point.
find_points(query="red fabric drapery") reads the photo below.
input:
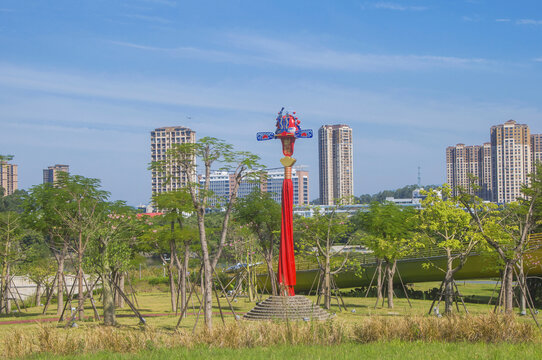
(286, 271)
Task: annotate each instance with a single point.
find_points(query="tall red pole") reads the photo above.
(286, 268)
(287, 130)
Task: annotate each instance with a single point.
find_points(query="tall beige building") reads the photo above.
(335, 163)
(536, 148)
(50, 175)
(512, 161)
(486, 172)
(8, 177)
(469, 167)
(162, 139)
(502, 166)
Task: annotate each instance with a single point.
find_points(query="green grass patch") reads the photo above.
(381, 350)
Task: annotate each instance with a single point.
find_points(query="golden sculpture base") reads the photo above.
(287, 161)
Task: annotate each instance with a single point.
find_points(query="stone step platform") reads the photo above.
(287, 308)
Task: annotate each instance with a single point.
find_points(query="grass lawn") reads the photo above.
(386, 350)
(159, 303)
(359, 310)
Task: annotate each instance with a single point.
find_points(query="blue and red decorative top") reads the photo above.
(287, 125)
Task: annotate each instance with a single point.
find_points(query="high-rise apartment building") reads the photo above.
(501, 166)
(511, 159)
(486, 172)
(536, 149)
(221, 184)
(50, 175)
(468, 167)
(335, 163)
(8, 177)
(162, 139)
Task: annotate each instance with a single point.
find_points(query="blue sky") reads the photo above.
(84, 82)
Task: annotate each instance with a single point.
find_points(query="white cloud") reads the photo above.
(163, 2)
(528, 22)
(503, 20)
(45, 112)
(474, 18)
(397, 7)
(538, 59)
(155, 19)
(193, 53)
(257, 51)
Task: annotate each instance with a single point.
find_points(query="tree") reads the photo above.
(39, 268)
(42, 207)
(319, 235)
(261, 214)
(242, 251)
(12, 202)
(11, 232)
(174, 236)
(506, 228)
(111, 250)
(388, 232)
(401, 193)
(447, 226)
(210, 151)
(82, 203)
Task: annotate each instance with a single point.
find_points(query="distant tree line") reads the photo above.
(402, 193)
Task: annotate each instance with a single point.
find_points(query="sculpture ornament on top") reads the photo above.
(287, 130)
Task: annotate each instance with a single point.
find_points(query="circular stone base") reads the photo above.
(287, 308)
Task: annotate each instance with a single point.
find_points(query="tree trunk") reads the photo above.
(120, 299)
(207, 276)
(390, 272)
(80, 297)
(5, 279)
(508, 292)
(250, 287)
(38, 294)
(522, 284)
(379, 282)
(108, 300)
(61, 257)
(448, 294)
(4, 288)
(172, 286)
(327, 283)
(448, 286)
(184, 275)
(8, 287)
(271, 273)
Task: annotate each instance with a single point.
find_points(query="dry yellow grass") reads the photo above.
(94, 338)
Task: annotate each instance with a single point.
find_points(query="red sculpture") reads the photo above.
(287, 130)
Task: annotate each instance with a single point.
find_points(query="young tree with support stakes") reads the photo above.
(319, 235)
(388, 231)
(11, 232)
(82, 203)
(110, 251)
(261, 214)
(41, 207)
(506, 229)
(174, 234)
(39, 266)
(241, 249)
(445, 225)
(211, 152)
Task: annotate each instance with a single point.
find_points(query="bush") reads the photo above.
(158, 280)
(490, 328)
